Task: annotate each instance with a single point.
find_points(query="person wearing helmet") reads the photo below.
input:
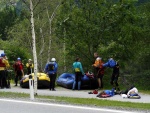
(19, 73)
(4, 65)
(51, 71)
(29, 66)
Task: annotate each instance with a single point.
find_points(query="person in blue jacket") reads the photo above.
(51, 71)
(78, 70)
(111, 63)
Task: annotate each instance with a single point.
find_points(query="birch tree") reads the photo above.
(34, 48)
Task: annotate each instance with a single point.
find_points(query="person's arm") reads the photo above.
(27, 65)
(56, 67)
(21, 67)
(81, 68)
(32, 65)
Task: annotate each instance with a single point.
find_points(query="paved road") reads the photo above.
(17, 106)
(79, 94)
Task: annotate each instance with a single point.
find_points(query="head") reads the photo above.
(53, 60)
(77, 59)
(18, 59)
(95, 54)
(3, 55)
(30, 60)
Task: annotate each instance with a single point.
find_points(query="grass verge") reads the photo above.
(80, 101)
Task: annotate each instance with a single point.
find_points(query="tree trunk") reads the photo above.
(34, 48)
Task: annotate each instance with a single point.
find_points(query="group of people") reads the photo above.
(18, 70)
(51, 70)
(99, 67)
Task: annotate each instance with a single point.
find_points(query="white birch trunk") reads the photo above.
(50, 30)
(34, 48)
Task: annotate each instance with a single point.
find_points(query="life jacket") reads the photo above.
(1, 63)
(97, 62)
(18, 66)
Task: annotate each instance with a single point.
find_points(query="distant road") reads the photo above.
(17, 106)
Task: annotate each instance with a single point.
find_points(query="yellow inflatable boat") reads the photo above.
(43, 80)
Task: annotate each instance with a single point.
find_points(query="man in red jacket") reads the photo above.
(19, 73)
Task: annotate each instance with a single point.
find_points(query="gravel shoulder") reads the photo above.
(145, 98)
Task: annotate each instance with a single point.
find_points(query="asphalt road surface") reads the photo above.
(17, 106)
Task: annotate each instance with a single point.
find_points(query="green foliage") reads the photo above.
(108, 27)
(7, 19)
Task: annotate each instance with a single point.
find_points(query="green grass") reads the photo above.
(145, 91)
(81, 101)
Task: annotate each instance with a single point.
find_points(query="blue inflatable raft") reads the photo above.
(66, 80)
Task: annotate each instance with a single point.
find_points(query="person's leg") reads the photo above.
(75, 81)
(54, 80)
(16, 80)
(2, 79)
(99, 82)
(79, 80)
(101, 78)
(50, 84)
(116, 83)
(74, 85)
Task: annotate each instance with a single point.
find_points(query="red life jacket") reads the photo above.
(1, 63)
(101, 68)
(18, 66)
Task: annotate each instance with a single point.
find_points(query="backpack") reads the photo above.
(112, 63)
(51, 66)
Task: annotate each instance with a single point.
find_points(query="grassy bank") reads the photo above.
(81, 101)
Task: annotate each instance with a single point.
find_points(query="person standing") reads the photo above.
(115, 74)
(51, 71)
(4, 65)
(99, 70)
(78, 70)
(19, 73)
(29, 66)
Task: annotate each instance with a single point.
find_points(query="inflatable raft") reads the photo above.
(66, 80)
(43, 80)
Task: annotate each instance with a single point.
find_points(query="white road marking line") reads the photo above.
(67, 106)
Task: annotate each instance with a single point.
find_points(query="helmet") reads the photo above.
(53, 59)
(18, 58)
(30, 59)
(3, 54)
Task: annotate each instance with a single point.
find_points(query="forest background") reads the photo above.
(65, 29)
